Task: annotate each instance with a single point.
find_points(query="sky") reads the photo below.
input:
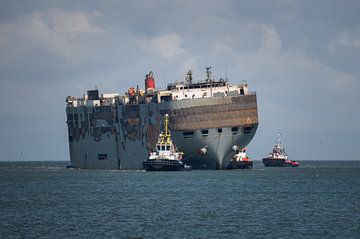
(301, 57)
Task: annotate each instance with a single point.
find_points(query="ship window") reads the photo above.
(234, 130)
(165, 98)
(75, 117)
(247, 130)
(168, 147)
(205, 132)
(219, 130)
(102, 156)
(185, 95)
(70, 116)
(158, 148)
(163, 147)
(241, 91)
(71, 138)
(188, 134)
(71, 124)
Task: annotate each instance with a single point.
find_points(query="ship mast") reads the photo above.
(208, 78)
(189, 77)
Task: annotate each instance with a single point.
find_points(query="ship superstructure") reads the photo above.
(113, 131)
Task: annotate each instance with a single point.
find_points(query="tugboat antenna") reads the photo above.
(279, 138)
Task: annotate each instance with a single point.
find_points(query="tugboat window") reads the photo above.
(205, 132)
(234, 130)
(168, 147)
(163, 147)
(219, 130)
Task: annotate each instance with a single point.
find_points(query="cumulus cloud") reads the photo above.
(166, 46)
(345, 39)
(71, 22)
(349, 40)
(270, 38)
(57, 31)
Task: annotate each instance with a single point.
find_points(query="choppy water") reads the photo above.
(45, 200)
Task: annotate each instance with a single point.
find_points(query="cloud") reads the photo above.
(349, 40)
(270, 38)
(167, 46)
(59, 32)
(71, 22)
(345, 39)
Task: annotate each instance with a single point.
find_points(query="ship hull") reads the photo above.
(121, 136)
(269, 162)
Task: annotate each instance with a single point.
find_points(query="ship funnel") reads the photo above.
(149, 83)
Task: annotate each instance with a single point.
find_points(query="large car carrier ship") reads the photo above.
(112, 131)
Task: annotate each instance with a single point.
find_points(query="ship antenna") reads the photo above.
(226, 71)
(208, 73)
(189, 77)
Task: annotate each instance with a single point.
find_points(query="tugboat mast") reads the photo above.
(166, 137)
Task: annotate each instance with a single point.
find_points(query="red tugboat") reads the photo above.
(278, 157)
(240, 160)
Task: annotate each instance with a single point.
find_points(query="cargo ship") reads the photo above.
(278, 156)
(113, 131)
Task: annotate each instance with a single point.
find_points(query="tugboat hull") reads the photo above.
(240, 165)
(163, 165)
(279, 163)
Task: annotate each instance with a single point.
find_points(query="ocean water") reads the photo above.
(320, 199)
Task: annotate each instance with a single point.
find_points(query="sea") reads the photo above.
(320, 199)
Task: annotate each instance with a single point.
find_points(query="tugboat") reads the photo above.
(240, 160)
(165, 157)
(278, 157)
